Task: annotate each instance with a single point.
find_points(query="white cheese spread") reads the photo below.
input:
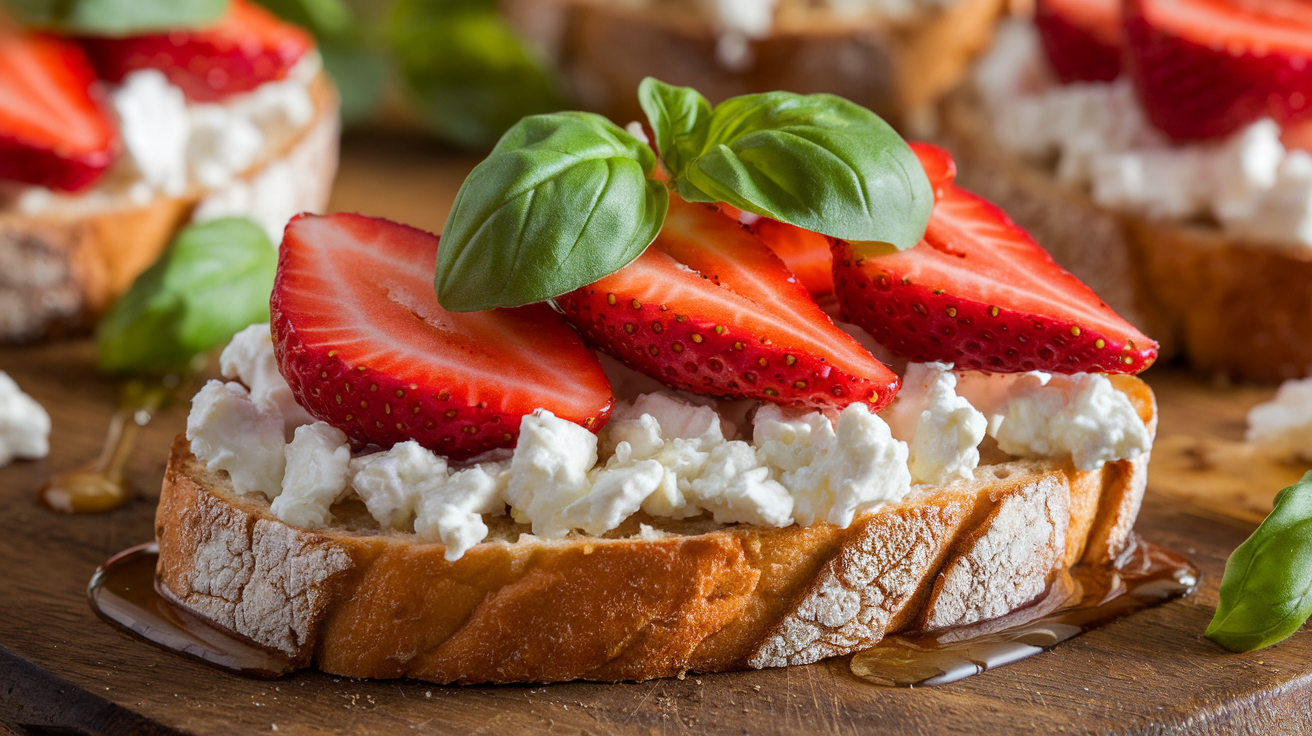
(663, 453)
(1082, 415)
(1283, 426)
(317, 461)
(1101, 140)
(249, 358)
(230, 432)
(24, 424)
(943, 429)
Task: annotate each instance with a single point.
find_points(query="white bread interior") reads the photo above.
(61, 269)
(899, 69)
(693, 596)
(1232, 308)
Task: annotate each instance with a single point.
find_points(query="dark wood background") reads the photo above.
(63, 670)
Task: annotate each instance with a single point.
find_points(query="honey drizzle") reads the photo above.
(1083, 599)
(101, 485)
(124, 593)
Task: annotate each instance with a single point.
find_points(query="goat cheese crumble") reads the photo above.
(24, 424)
(1283, 426)
(663, 453)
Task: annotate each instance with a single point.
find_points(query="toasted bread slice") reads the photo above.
(896, 68)
(1239, 309)
(61, 269)
(636, 604)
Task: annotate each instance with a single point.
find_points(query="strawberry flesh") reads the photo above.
(247, 47)
(1082, 38)
(709, 309)
(53, 131)
(365, 346)
(808, 254)
(979, 293)
(938, 166)
(1206, 68)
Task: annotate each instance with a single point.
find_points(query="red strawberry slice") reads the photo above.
(246, 48)
(364, 345)
(806, 253)
(53, 131)
(809, 255)
(708, 308)
(1206, 68)
(1082, 38)
(938, 165)
(978, 292)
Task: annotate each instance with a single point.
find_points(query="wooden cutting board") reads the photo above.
(61, 668)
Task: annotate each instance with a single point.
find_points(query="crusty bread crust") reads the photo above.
(899, 70)
(1233, 308)
(697, 597)
(59, 271)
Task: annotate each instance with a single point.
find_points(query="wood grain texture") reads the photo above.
(1152, 673)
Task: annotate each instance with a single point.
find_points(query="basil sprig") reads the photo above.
(1266, 591)
(117, 17)
(563, 200)
(568, 198)
(213, 280)
(816, 161)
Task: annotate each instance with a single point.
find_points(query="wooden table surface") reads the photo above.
(61, 668)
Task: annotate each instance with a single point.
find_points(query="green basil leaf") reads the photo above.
(214, 280)
(677, 116)
(467, 73)
(1266, 591)
(322, 17)
(117, 17)
(361, 77)
(816, 161)
(563, 200)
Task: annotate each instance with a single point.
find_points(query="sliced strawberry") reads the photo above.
(1205, 68)
(709, 309)
(1082, 38)
(978, 292)
(364, 345)
(247, 47)
(53, 131)
(809, 255)
(938, 165)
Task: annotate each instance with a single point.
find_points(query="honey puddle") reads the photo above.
(1078, 601)
(101, 484)
(124, 592)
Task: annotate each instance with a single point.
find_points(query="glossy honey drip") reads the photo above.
(1079, 601)
(123, 592)
(101, 485)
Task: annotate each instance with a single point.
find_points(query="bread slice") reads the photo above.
(1233, 308)
(61, 269)
(896, 68)
(636, 604)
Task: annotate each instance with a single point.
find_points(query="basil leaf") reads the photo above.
(117, 17)
(361, 76)
(678, 116)
(322, 17)
(467, 73)
(1266, 591)
(214, 280)
(563, 200)
(816, 161)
